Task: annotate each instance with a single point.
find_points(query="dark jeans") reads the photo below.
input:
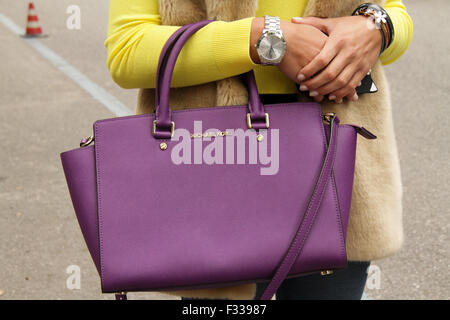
(345, 284)
(278, 98)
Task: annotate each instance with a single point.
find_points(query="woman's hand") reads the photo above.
(304, 42)
(352, 48)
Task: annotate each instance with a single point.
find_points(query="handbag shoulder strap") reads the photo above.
(305, 225)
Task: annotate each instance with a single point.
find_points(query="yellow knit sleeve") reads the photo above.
(136, 37)
(403, 27)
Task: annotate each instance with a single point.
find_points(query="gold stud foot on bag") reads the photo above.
(121, 295)
(326, 272)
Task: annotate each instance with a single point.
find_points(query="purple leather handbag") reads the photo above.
(153, 223)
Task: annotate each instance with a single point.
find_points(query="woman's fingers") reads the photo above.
(318, 98)
(356, 82)
(319, 62)
(349, 90)
(340, 81)
(320, 23)
(334, 76)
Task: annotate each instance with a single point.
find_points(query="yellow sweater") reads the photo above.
(217, 51)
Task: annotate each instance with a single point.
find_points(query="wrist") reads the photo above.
(256, 31)
(379, 38)
(271, 44)
(371, 33)
(381, 21)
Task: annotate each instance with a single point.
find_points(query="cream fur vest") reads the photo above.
(375, 226)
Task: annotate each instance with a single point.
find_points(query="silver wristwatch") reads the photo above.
(271, 46)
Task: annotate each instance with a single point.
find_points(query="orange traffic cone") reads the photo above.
(33, 27)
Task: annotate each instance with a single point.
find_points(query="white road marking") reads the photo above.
(97, 92)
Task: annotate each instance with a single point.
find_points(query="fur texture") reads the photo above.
(375, 226)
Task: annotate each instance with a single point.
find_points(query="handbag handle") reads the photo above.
(165, 52)
(163, 125)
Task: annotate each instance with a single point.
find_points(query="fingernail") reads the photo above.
(359, 84)
(303, 88)
(332, 97)
(339, 101)
(355, 97)
(301, 77)
(297, 18)
(313, 93)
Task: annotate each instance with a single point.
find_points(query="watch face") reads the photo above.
(272, 47)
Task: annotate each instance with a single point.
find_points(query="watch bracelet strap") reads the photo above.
(272, 24)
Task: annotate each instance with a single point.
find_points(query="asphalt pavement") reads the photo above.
(44, 111)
